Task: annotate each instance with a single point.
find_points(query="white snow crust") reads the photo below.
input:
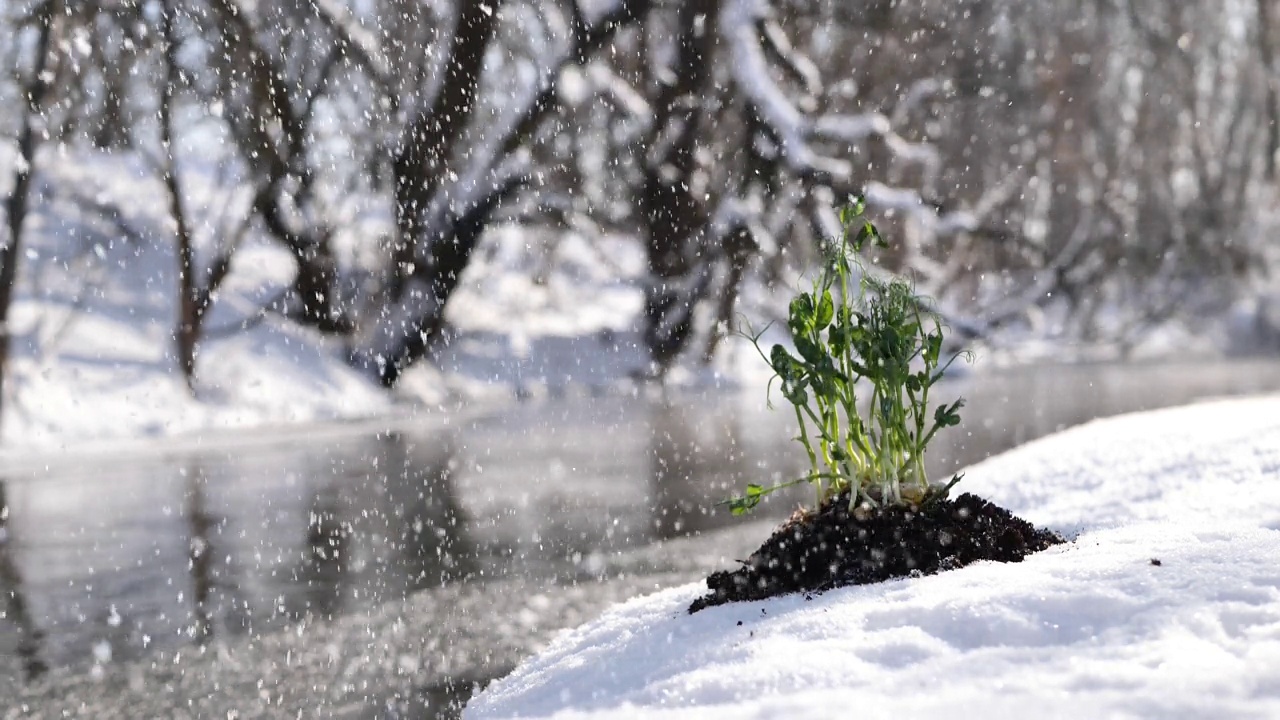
(1093, 628)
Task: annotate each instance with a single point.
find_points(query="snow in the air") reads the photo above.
(1165, 604)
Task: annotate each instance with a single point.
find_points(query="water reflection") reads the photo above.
(381, 526)
(700, 454)
(324, 572)
(145, 557)
(29, 636)
(425, 519)
(201, 551)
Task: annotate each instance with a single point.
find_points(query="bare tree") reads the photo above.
(425, 269)
(267, 80)
(36, 89)
(673, 200)
(1144, 133)
(1096, 163)
(195, 288)
(448, 182)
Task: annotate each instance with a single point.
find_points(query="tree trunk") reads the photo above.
(16, 206)
(190, 308)
(278, 160)
(1266, 49)
(407, 327)
(675, 215)
(428, 262)
(421, 164)
(112, 126)
(315, 284)
(14, 605)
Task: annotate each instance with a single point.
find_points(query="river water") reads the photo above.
(108, 558)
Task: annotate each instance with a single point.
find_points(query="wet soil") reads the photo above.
(833, 547)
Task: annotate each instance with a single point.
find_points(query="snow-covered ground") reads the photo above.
(1166, 604)
(106, 372)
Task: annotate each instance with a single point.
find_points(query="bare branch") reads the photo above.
(586, 41)
(362, 44)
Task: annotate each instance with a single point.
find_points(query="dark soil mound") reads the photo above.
(834, 547)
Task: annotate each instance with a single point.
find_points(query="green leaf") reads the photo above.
(825, 311)
(859, 238)
(932, 348)
(780, 360)
(867, 233)
(800, 315)
(939, 415)
(742, 505)
(876, 238)
(824, 379)
(839, 338)
(810, 351)
(946, 416)
(795, 394)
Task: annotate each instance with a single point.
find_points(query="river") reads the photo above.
(113, 559)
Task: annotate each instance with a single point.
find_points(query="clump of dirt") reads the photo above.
(834, 547)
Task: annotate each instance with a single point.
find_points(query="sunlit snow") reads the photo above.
(1166, 604)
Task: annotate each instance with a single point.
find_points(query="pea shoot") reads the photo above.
(853, 327)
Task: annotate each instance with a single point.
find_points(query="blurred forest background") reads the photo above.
(1089, 171)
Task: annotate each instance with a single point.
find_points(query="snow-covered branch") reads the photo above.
(734, 214)
(753, 76)
(619, 93)
(750, 32)
(362, 43)
(798, 67)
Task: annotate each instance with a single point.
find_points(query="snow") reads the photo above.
(93, 361)
(93, 351)
(1094, 628)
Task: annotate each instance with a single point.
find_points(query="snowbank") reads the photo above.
(105, 371)
(1167, 604)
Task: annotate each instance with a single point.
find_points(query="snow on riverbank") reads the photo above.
(104, 370)
(538, 313)
(95, 309)
(1167, 604)
(93, 319)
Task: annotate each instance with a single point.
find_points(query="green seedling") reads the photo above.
(845, 332)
